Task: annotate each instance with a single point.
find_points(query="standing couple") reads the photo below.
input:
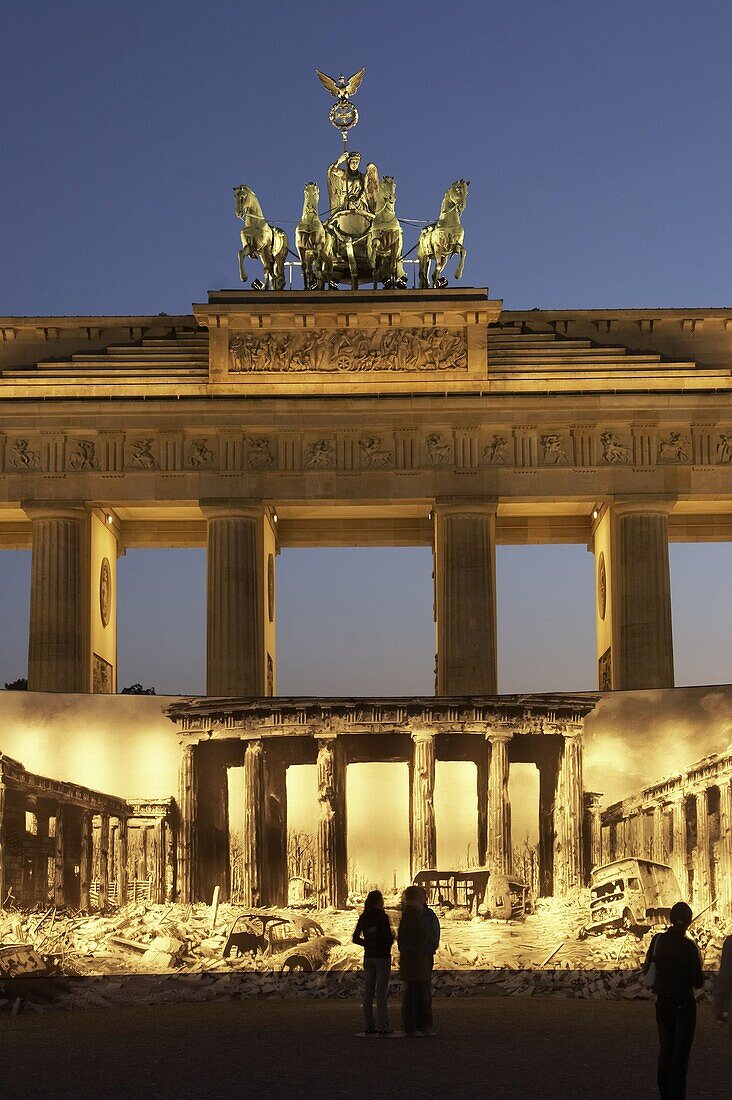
(418, 939)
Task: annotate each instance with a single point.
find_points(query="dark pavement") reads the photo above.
(486, 1047)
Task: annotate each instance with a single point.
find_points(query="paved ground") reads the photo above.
(486, 1047)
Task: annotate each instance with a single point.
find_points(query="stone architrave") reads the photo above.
(500, 856)
(252, 883)
(331, 859)
(568, 871)
(465, 599)
(57, 637)
(422, 824)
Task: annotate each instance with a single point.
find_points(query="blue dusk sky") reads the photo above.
(597, 140)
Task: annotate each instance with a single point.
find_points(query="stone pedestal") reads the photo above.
(500, 856)
(465, 599)
(240, 656)
(422, 829)
(253, 888)
(331, 859)
(568, 818)
(634, 636)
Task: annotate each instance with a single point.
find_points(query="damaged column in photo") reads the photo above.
(568, 815)
(499, 805)
(422, 828)
(332, 859)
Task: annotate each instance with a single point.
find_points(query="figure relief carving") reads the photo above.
(495, 451)
(23, 457)
(105, 591)
(200, 454)
(411, 350)
(601, 586)
(102, 676)
(374, 455)
(724, 448)
(260, 455)
(85, 455)
(554, 453)
(320, 455)
(142, 454)
(439, 450)
(673, 449)
(613, 450)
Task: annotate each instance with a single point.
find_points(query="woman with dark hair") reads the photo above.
(373, 932)
(677, 974)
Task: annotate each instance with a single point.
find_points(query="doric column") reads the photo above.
(332, 866)
(422, 829)
(57, 641)
(187, 838)
(2, 844)
(59, 865)
(592, 832)
(568, 818)
(659, 854)
(253, 838)
(482, 764)
(679, 854)
(171, 870)
(725, 846)
(212, 820)
(633, 605)
(158, 864)
(275, 824)
(85, 859)
(240, 654)
(702, 883)
(548, 780)
(499, 806)
(465, 598)
(121, 861)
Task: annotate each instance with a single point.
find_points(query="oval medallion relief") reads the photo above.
(601, 586)
(105, 591)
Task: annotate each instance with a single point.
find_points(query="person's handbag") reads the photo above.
(649, 978)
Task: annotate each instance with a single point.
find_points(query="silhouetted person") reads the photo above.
(723, 986)
(373, 932)
(678, 974)
(418, 939)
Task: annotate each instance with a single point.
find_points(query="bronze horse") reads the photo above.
(314, 243)
(444, 238)
(384, 238)
(260, 240)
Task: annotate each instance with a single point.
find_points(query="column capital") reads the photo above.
(53, 509)
(657, 503)
(422, 735)
(238, 508)
(593, 800)
(498, 737)
(465, 506)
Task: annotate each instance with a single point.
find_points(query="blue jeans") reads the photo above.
(376, 973)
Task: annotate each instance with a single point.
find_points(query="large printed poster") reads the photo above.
(142, 833)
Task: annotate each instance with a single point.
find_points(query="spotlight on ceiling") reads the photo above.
(107, 518)
(275, 517)
(595, 513)
(257, 284)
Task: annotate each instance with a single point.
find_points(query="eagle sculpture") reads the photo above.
(342, 88)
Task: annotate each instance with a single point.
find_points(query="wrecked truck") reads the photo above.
(630, 895)
(290, 942)
(480, 891)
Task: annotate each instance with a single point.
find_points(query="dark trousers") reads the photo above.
(676, 1020)
(376, 973)
(417, 1006)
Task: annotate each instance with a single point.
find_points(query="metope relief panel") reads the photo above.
(23, 454)
(555, 449)
(439, 449)
(615, 448)
(261, 452)
(376, 452)
(497, 450)
(201, 453)
(82, 454)
(411, 351)
(142, 453)
(673, 448)
(724, 448)
(319, 453)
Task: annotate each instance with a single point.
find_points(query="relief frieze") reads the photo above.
(261, 453)
(554, 452)
(495, 453)
(614, 451)
(407, 350)
(320, 455)
(724, 448)
(373, 454)
(199, 454)
(674, 448)
(83, 455)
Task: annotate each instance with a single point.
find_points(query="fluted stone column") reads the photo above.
(331, 858)
(241, 628)
(548, 779)
(465, 599)
(659, 853)
(253, 889)
(187, 838)
(422, 828)
(2, 845)
(59, 868)
(592, 831)
(634, 635)
(568, 818)
(85, 859)
(702, 874)
(725, 846)
(482, 765)
(158, 886)
(679, 855)
(122, 861)
(275, 824)
(500, 856)
(58, 636)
